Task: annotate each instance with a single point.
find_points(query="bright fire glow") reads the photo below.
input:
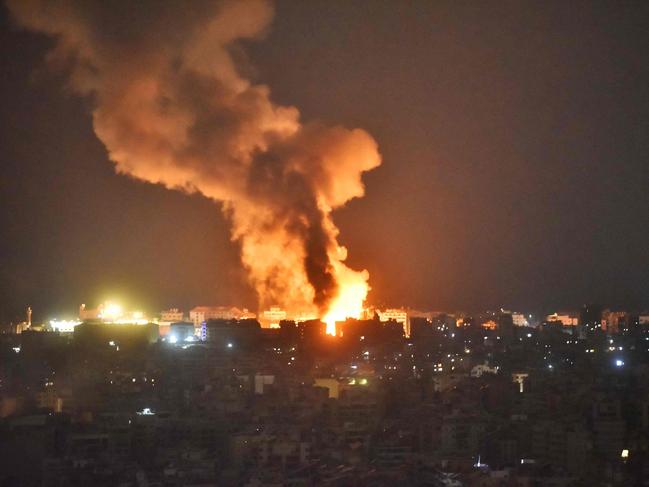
(111, 311)
(277, 179)
(352, 292)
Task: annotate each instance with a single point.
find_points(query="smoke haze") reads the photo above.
(172, 108)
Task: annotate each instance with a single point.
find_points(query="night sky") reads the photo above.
(515, 144)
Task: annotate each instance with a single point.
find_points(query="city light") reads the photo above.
(64, 326)
(172, 183)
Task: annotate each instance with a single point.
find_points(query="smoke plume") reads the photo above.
(171, 107)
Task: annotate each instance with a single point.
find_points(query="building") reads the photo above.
(520, 319)
(171, 315)
(200, 314)
(271, 317)
(481, 369)
(565, 317)
(590, 319)
(399, 315)
(63, 326)
(181, 331)
(120, 333)
(232, 334)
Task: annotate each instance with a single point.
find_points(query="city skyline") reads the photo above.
(485, 198)
(253, 243)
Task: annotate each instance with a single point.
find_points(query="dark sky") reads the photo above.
(515, 143)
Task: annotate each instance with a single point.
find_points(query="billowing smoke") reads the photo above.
(171, 107)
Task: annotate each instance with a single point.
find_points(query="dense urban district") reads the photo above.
(398, 398)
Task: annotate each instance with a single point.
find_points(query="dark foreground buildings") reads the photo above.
(471, 401)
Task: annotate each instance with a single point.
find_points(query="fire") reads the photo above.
(352, 291)
(178, 112)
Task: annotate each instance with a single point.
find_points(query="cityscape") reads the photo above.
(215, 396)
(281, 243)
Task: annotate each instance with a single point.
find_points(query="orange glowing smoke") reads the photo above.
(172, 108)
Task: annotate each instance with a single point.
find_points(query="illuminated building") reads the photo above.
(167, 317)
(396, 314)
(566, 318)
(480, 369)
(617, 321)
(520, 319)
(519, 378)
(171, 315)
(64, 326)
(200, 314)
(25, 325)
(490, 325)
(271, 317)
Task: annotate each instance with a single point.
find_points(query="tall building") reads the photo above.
(590, 319)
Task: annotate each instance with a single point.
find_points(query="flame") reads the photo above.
(178, 112)
(352, 291)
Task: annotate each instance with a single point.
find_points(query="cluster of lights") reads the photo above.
(64, 326)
